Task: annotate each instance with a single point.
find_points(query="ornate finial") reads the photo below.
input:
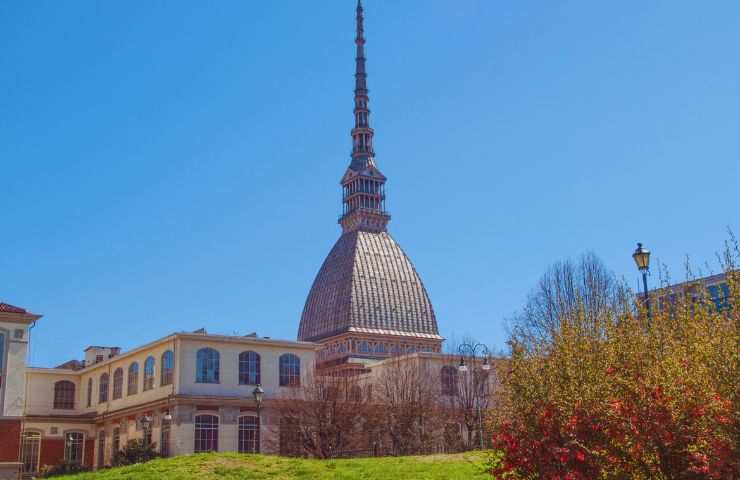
(362, 135)
(363, 184)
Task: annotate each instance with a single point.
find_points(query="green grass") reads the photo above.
(470, 465)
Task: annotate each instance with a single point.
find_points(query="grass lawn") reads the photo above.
(470, 465)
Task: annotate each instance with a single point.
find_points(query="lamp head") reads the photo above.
(259, 394)
(642, 258)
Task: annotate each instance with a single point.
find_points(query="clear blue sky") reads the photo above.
(174, 165)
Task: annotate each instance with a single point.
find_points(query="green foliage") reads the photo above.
(218, 466)
(611, 393)
(62, 469)
(135, 451)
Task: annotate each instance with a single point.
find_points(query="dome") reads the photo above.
(367, 285)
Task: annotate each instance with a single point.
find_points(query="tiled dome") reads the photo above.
(367, 284)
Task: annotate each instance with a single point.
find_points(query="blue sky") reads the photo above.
(174, 165)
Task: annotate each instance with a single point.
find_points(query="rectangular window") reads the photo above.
(31, 451)
(249, 434)
(206, 433)
(74, 443)
(116, 440)
(101, 449)
(164, 439)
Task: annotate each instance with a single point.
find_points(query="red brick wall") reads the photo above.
(52, 451)
(89, 452)
(10, 437)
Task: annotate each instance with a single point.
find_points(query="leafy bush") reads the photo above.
(62, 469)
(135, 451)
(610, 393)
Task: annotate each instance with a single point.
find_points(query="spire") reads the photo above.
(362, 134)
(363, 185)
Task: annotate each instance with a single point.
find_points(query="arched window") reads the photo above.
(103, 388)
(74, 446)
(249, 434)
(64, 395)
(249, 368)
(364, 347)
(118, 383)
(290, 370)
(31, 452)
(133, 379)
(207, 366)
(148, 374)
(449, 380)
(89, 392)
(168, 367)
(206, 433)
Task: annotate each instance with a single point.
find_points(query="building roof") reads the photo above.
(8, 308)
(367, 284)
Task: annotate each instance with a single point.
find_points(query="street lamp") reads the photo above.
(642, 260)
(259, 395)
(472, 351)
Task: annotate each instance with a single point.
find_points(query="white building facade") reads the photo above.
(184, 393)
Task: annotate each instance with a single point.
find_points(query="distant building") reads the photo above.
(713, 288)
(367, 301)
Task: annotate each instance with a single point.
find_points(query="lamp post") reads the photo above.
(642, 260)
(259, 394)
(472, 350)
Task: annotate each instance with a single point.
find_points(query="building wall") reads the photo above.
(12, 387)
(10, 434)
(183, 399)
(229, 368)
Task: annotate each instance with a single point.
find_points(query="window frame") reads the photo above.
(286, 376)
(100, 457)
(37, 435)
(67, 443)
(167, 368)
(64, 403)
(132, 382)
(245, 377)
(103, 388)
(118, 384)
(208, 368)
(203, 434)
(243, 429)
(89, 392)
(150, 368)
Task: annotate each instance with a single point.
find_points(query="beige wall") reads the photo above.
(124, 361)
(229, 367)
(40, 388)
(12, 390)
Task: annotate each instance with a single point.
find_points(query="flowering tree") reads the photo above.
(610, 393)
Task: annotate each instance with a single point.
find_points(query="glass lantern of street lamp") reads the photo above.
(259, 394)
(486, 365)
(642, 258)
(462, 367)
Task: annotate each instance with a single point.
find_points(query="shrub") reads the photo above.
(62, 469)
(614, 394)
(135, 451)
